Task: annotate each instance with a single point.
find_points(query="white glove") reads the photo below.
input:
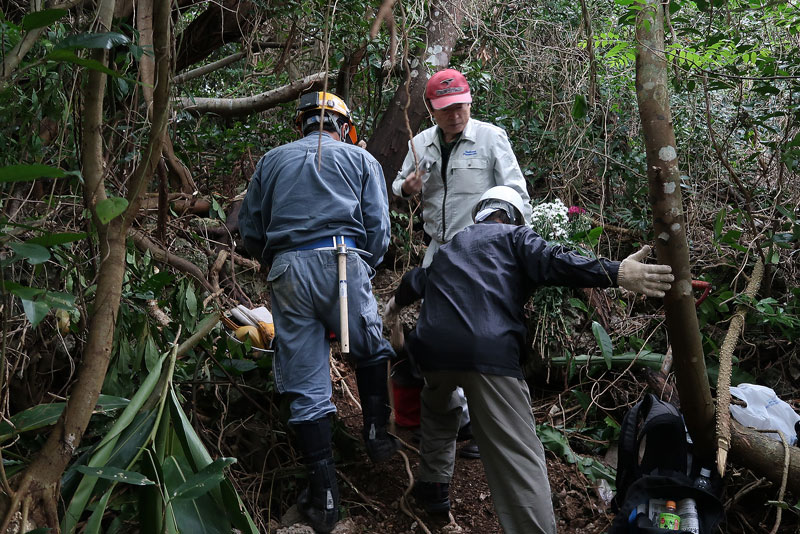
(391, 316)
(650, 280)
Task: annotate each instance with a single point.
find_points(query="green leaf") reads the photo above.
(67, 56)
(198, 516)
(35, 254)
(28, 173)
(719, 224)
(603, 339)
(116, 474)
(93, 525)
(110, 208)
(49, 240)
(204, 481)
(43, 415)
(579, 107)
(106, 447)
(35, 310)
(556, 441)
(105, 40)
(40, 19)
(191, 301)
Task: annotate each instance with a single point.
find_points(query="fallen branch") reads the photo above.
(231, 107)
(144, 244)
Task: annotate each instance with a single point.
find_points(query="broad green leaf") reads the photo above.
(35, 254)
(151, 354)
(115, 474)
(44, 415)
(27, 173)
(105, 40)
(110, 208)
(579, 107)
(603, 339)
(198, 516)
(236, 511)
(196, 452)
(49, 240)
(557, 442)
(35, 310)
(191, 301)
(198, 457)
(40, 19)
(106, 447)
(64, 55)
(204, 481)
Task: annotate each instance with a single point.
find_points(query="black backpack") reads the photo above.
(663, 471)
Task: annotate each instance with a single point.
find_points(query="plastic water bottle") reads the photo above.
(687, 510)
(703, 480)
(669, 520)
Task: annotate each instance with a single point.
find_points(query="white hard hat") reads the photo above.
(504, 193)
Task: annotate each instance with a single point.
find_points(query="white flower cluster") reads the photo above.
(549, 220)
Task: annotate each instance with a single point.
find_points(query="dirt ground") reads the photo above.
(371, 493)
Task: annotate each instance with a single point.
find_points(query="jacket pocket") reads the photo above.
(469, 163)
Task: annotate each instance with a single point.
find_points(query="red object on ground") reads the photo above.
(705, 286)
(406, 404)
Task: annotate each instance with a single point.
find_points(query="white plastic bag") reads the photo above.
(764, 411)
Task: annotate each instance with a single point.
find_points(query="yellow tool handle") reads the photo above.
(344, 330)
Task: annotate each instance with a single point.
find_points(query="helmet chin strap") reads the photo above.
(344, 132)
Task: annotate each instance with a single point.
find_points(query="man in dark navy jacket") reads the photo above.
(471, 333)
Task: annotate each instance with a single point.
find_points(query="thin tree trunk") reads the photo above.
(389, 143)
(669, 225)
(39, 483)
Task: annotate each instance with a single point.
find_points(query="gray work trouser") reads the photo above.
(503, 426)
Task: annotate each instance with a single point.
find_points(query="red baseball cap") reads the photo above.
(447, 87)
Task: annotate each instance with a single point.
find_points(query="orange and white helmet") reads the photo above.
(331, 109)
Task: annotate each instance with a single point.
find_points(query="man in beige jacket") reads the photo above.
(458, 159)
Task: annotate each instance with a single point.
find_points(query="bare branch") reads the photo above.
(231, 107)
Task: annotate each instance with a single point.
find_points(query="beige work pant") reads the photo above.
(503, 426)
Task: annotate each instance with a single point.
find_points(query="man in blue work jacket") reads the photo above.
(304, 199)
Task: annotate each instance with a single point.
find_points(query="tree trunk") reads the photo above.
(766, 456)
(669, 226)
(407, 110)
(223, 22)
(37, 487)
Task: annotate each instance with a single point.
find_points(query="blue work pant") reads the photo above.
(305, 308)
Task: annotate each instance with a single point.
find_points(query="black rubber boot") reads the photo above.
(433, 497)
(372, 389)
(319, 502)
